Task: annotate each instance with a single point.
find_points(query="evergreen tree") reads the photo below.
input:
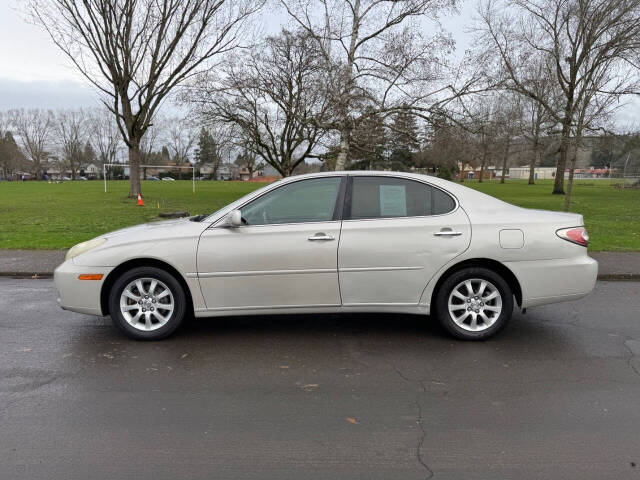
(165, 156)
(207, 152)
(403, 141)
(89, 155)
(369, 144)
(11, 158)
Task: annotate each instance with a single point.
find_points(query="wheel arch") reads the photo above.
(493, 265)
(141, 262)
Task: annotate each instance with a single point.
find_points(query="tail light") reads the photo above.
(577, 235)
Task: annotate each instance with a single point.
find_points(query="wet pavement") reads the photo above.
(555, 395)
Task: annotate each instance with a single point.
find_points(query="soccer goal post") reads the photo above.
(170, 167)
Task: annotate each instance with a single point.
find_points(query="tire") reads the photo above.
(150, 314)
(476, 316)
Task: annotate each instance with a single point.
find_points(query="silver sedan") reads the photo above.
(335, 242)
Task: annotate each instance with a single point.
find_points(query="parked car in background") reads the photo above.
(168, 179)
(336, 242)
(82, 178)
(152, 178)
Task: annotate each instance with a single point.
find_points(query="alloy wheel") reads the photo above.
(475, 304)
(146, 304)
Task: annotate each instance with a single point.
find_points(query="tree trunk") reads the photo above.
(134, 168)
(38, 169)
(505, 160)
(567, 197)
(482, 164)
(345, 132)
(343, 155)
(558, 186)
(572, 166)
(534, 162)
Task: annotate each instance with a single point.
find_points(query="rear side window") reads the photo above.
(384, 197)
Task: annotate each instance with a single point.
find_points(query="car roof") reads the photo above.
(417, 176)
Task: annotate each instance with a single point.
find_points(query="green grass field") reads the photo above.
(58, 215)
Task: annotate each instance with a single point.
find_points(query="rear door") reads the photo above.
(396, 234)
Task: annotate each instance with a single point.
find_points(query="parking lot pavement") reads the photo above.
(554, 396)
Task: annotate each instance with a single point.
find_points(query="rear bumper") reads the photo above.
(552, 281)
(81, 296)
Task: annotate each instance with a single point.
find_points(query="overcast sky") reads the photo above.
(34, 73)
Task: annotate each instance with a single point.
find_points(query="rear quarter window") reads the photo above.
(442, 202)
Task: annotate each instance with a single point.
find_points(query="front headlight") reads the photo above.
(84, 247)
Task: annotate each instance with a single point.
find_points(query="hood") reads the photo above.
(147, 227)
(166, 237)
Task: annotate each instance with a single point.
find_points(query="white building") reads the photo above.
(540, 173)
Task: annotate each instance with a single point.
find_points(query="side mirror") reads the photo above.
(233, 219)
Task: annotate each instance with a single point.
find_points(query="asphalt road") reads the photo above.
(556, 395)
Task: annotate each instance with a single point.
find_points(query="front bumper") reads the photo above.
(81, 296)
(552, 281)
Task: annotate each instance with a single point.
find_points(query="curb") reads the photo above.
(32, 275)
(609, 277)
(620, 277)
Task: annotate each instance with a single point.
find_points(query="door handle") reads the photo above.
(447, 233)
(321, 237)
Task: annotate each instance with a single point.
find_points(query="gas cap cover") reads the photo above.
(511, 238)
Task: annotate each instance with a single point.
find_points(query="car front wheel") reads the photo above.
(147, 303)
(474, 303)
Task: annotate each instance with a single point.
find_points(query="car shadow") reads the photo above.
(371, 332)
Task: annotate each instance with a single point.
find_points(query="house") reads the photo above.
(468, 172)
(547, 173)
(92, 171)
(227, 171)
(244, 175)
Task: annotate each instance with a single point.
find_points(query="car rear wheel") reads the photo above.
(474, 303)
(147, 303)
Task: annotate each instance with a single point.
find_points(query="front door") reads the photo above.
(284, 256)
(396, 235)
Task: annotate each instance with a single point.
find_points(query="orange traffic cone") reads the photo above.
(140, 202)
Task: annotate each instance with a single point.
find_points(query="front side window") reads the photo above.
(385, 197)
(312, 200)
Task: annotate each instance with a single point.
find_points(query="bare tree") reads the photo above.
(181, 138)
(34, 128)
(136, 52)
(509, 118)
(105, 136)
(589, 44)
(592, 113)
(482, 120)
(536, 120)
(70, 130)
(271, 99)
(446, 145)
(376, 59)
(153, 149)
